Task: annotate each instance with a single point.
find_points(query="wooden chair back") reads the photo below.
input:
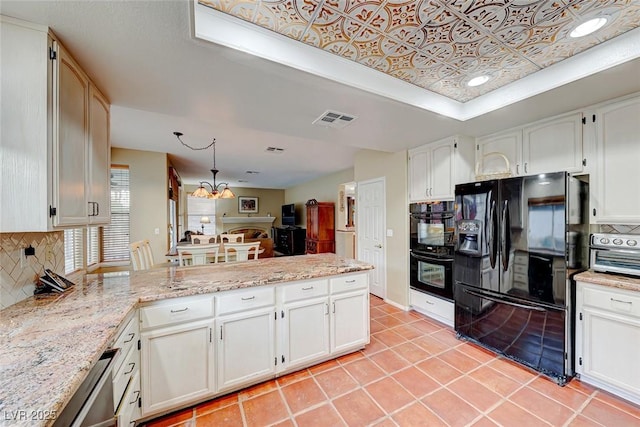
(232, 238)
(241, 251)
(204, 239)
(197, 254)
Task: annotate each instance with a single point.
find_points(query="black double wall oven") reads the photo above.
(431, 248)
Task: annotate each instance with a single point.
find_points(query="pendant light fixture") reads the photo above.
(201, 191)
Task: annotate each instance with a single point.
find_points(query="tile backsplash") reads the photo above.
(18, 277)
(620, 229)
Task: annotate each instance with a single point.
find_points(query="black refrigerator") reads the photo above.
(513, 291)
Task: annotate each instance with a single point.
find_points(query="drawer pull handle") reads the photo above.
(248, 299)
(623, 302)
(133, 366)
(350, 281)
(137, 392)
(307, 289)
(131, 335)
(428, 302)
(180, 311)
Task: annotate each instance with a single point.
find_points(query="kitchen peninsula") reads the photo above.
(50, 343)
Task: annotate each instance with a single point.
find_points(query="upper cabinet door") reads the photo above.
(616, 198)
(70, 142)
(99, 196)
(418, 178)
(509, 144)
(441, 171)
(553, 145)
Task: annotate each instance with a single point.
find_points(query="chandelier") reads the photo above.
(201, 191)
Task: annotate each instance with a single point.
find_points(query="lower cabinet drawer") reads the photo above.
(121, 377)
(171, 312)
(520, 269)
(303, 290)
(616, 301)
(348, 282)
(520, 278)
(240, 300)
(432, 306)
(129, 410)
(127, 339)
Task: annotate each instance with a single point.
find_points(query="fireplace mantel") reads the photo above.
(247, 219)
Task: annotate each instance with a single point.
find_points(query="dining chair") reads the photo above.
(232, 238)
(138, 261)
(199, 253)
(241, 251)
(204, 239)
(142, 255)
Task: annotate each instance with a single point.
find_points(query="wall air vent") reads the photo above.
(275, 150)
(334, 119)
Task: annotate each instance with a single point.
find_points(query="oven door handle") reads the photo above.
(503, 300)
(443, 216)
(430, 259)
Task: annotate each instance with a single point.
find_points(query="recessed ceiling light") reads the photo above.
(477, 81)
(588, 27)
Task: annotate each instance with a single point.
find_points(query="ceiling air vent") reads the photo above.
(275, 150)
(334, 119)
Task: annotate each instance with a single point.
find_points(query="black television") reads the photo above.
(289, 214)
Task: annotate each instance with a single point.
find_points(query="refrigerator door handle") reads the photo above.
(505, 237)
(493, 247)
(503, 301)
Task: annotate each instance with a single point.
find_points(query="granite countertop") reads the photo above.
(49, 343)
(609, 279)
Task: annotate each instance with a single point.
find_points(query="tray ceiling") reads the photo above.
(440, 45)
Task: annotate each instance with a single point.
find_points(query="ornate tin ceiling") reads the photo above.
(440, 45)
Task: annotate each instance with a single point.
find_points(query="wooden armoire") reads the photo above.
(320, 227)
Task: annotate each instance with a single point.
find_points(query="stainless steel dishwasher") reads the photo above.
(92, 404)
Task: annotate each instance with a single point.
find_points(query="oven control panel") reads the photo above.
(606, 240)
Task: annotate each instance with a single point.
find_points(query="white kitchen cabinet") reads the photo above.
(553, 145)
(615, 196)
(607, 337)
(303, 325)
(549, 145)
(176, 352)
(435, 169)
(509, 144)
(46, 165)
(245, 336)
(177, 365)
(349, 306)
(71, 141)
(246, 347)
(129, 409)
(204, 346)
(99, 191)
(432, 306)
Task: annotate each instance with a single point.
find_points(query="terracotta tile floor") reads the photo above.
(414, 373)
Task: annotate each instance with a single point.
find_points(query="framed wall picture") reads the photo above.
(247, 204)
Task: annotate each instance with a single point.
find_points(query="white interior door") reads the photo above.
(371, 225)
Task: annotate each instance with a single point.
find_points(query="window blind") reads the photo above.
(115, 236)
(73, 250)
(93, 246)
(197, 207)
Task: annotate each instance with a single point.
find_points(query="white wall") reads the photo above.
(149, 186)
(323, 189)
(370, 164)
